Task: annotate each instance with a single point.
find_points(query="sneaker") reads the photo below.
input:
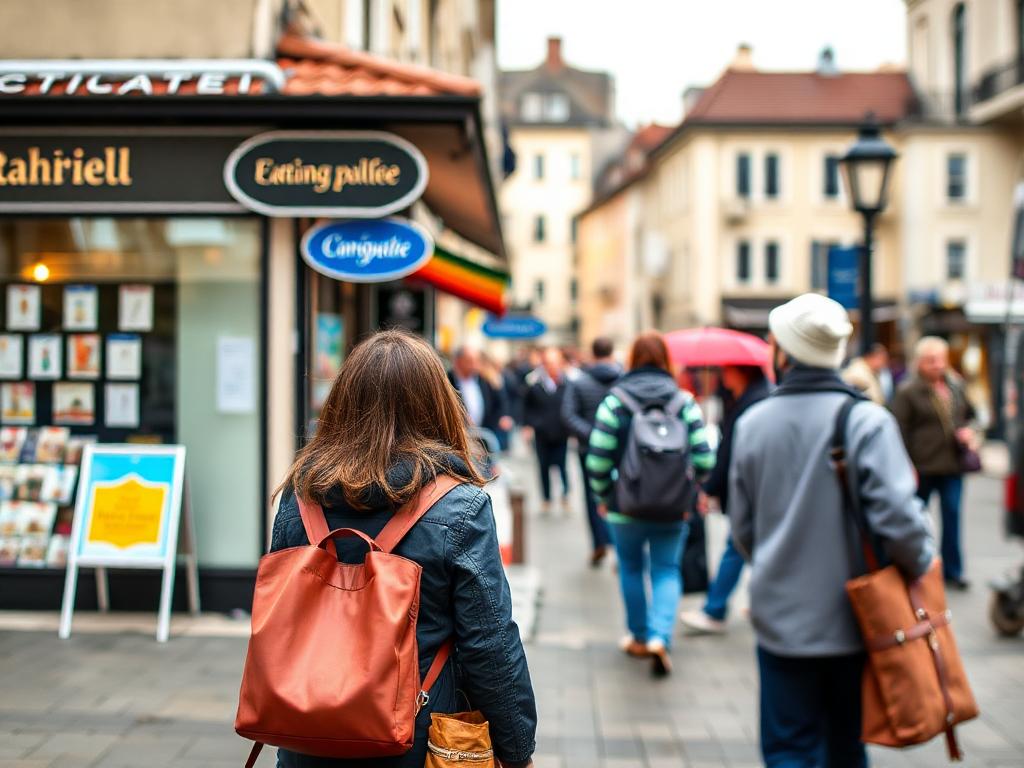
(597, 557)
(959, 585)
(699, 623)
(661, 662)
(633, 647)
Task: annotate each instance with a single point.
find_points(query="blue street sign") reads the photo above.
(843, 273)
(367, 251)
(514, 327)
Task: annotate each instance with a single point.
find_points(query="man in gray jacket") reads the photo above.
(788, 520)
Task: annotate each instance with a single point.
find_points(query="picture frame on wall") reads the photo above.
(74, 403)
(83, 356)
(18, 402)
(12, 356)
(135, 308)
(81, 307)
(44, 356)
(24, 307)
(124, 357)
(122, 405)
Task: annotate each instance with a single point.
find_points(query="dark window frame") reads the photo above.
(744, 265)
(772, 173)
(956, 181)
(831, 185)
(540, 234)
(743, 167)
(959, 247)
(772, 261)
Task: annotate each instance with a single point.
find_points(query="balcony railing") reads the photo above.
(936, 107)
(999, 79)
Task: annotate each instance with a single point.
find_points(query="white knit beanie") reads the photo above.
(813, 329)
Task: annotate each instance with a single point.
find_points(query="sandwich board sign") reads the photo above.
(132, 511)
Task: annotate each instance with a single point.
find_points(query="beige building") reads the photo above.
(561, 127)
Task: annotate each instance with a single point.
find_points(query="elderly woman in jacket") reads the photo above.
(391, 423)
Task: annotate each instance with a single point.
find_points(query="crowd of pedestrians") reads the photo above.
(651, 468)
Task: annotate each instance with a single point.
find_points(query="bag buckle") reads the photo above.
(422, 699)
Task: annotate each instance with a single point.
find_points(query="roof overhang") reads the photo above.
(446, 128)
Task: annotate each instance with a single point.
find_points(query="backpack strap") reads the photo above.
(839, 457)
(409, 514)
(315, 523)
(631, 403)
(679, 400)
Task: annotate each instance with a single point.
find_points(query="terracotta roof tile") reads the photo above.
(803, 97)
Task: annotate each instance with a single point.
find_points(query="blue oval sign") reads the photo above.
(514, 327)
(367, 251)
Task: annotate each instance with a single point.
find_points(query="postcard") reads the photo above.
(32, 552)
(29, 480)
(36, 519)
(28, 448)
(135, 308)
(18, 400)
(84, 356)
(65, 521)
(9, 525)
(9, 550)
(11, 441)
(76, 444)
(124, 356)
(81, 307)
(74, 403)
(11, 348)
(44, 356)
(59, 485)
(24, 308)
(8, 473)
(122, 405)
(51, 444)
(57, 552)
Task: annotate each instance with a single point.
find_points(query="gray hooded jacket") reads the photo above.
(787, 515)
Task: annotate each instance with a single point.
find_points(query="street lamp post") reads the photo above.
(866, 169)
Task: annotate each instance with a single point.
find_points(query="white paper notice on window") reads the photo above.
(236, 374)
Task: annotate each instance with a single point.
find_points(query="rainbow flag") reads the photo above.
(479, 285)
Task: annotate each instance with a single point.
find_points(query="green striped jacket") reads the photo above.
(611, 428)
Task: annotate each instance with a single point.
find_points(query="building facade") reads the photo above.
(561, 127)
(128, 228)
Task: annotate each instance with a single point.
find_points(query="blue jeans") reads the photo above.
(950, 489)
(726, 578)
(599, 535)
(810, 711)
(650, 551)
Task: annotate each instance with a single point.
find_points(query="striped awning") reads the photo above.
(483, 286)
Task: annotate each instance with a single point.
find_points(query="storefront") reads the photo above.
(153, 289)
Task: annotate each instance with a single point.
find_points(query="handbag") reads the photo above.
(459, 741)
(914, 686)
(694, 564)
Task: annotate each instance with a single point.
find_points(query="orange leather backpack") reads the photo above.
(360, 699)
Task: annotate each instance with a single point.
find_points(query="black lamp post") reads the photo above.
(866, 168)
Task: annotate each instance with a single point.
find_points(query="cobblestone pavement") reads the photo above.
(123, 700)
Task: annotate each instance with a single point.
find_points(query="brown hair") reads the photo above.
(391, 402)
(649, 350)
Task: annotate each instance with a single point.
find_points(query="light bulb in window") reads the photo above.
(40, 273)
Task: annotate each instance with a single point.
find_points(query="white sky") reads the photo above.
(656, 48)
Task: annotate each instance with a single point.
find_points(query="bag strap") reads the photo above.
(679, 400)
(410, 513)
(631, 403)
(315, 523)
(839, 458)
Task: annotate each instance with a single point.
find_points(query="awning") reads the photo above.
(485, 287)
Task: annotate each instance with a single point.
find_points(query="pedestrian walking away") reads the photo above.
(746, 385)
(390, 426)
(786, 509)
(543, 415)
(935, 415)
(485, 404)
(648, 450)
(583, 395)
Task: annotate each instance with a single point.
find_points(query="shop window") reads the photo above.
(538, 167)
(771, 176)
(831, 169)
(539, 227)
(144, 330)
(743, 261)
(956, 177)
(956, 260)
(743, 175)
(771, 261)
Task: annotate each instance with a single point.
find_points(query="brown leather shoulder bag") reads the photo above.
(333, 667)
(914, 686)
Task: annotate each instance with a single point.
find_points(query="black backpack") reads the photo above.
(656, 481)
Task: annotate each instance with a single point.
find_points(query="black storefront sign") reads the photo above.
(115, 172)
(354, 174)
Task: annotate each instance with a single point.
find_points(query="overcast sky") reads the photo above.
(656, 48)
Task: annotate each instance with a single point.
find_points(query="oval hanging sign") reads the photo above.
(351, 174)
(371, 251)
(514, 327)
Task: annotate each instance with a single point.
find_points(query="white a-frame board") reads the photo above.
(132, 511)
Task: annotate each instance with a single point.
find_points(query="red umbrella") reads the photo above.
(715, 347)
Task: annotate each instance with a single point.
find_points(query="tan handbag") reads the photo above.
(915, 686)
(462, 740)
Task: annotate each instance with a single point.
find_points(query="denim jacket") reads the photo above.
(463, 594)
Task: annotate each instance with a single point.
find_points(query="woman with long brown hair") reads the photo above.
(649, 536)
(390, 425)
